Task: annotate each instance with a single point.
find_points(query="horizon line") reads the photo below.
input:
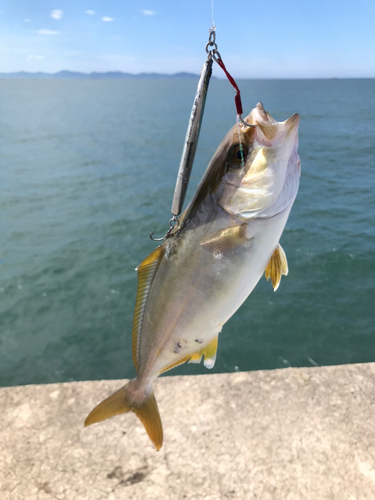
(34, 74)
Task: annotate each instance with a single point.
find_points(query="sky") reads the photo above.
(262, 39)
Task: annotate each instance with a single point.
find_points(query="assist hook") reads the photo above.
(215, 54)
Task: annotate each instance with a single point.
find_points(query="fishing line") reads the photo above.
(240, 143)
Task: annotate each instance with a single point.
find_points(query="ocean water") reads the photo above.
(87, 171)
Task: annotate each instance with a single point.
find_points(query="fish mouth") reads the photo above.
(291, 124)
(264, 115)
(259, 116)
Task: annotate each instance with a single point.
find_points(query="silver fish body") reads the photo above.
(228, 237)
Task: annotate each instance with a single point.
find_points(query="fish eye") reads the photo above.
(237, 155)
(240, 154)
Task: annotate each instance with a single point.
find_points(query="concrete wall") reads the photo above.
(285, 434)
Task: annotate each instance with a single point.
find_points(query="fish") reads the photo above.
(227, 238)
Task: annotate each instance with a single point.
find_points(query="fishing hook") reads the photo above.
(215, 54)
(174, 223)
(245, 123)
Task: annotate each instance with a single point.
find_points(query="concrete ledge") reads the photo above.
(286, 434)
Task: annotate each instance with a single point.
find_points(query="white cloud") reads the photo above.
(90, 12)
(148, 12)
(107, 19)
(27, 20)
(47, 32)
(57, 14)
(32, 56)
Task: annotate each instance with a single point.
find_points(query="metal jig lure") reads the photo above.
(194, 126)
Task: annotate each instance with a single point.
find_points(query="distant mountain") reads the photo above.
(108, 74)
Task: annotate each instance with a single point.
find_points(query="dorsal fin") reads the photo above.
(276, 267)
(208, 351)
(146, 272)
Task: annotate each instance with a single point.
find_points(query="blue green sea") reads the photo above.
(87, 171)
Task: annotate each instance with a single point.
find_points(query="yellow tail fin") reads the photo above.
(119, 402)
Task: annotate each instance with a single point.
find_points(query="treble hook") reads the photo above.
(174, 223)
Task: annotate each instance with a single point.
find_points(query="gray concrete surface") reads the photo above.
(285, 434)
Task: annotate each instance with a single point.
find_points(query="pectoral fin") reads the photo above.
(226, 239)
(276, 267)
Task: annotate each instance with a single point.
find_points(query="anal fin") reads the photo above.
(176, 363)
(209, 353)
(276, 267)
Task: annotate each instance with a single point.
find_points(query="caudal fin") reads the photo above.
(119, 402)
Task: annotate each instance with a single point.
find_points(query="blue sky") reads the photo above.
(256, 39)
